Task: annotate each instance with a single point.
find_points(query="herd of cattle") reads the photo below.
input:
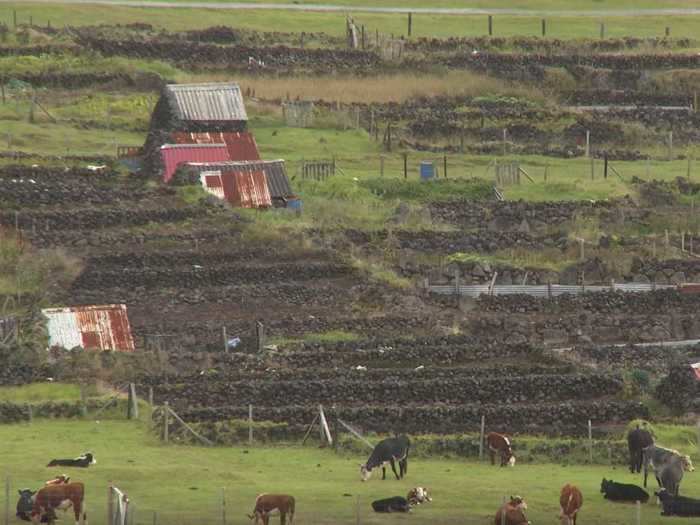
(667, 465)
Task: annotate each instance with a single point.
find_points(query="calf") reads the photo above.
(637, 440)
(265, 504)
(418, 495)
(25, 504)
(64, 496)
(570, 502)
(622, 492)
(395, 504)
(499, 443)
(512, 512)
(388, 451)
(83, 461)
(677, 505)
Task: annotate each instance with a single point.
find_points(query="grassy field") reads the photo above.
(184, 484)
(333, 23)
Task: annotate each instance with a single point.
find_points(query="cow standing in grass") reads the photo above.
(265, 504)
(668, 466)
(389, 451)
(570, 501)
(637, 440)
(62, 497)
(500, 444)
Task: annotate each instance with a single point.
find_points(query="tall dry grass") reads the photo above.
(381, 88)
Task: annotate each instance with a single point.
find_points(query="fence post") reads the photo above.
(150, 404)
(250, 424)
(481, 438)
(490, 25)
(223, 505)
(410, 23)
(592, 169)
(7, 500)
(444, 164)
(505, 136)
(110, 505)
(405, 166)
(670, 145)
(638, 506)
(381, 165)
(668, 31)
(602, 30)
(166, 417)
(544, 27)
(223, 334)
(590, 442)
(260, 333)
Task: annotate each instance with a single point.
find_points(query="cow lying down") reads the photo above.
(83, 461)
(677, 505)
(622, 492)
(514, 511)
(416, 496)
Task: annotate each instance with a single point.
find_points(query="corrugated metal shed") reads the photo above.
(175, 154)
(275, 173)
(214, 102)
(241, 145)
(91, 327)
(242, 189)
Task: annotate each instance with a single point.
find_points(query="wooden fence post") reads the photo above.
(481, 438)
(490, 25)
(166, 422)
(405, 166)
(588, 143)
(668, 31)
(410, 23)
(590, 442)
(638, 513)
(250, 424)
(110, 505)
(592, 169)
(223, 334)
(444, 164)
(670, 145)
(7, 500)
(223, 505)
(381, 165)
(544, 27)
(602, 30)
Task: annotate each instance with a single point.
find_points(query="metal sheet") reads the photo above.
(249, 189)
(211, 181)
(175, 154)
(275, 173)
(241, 145)
(214, 102)
(90, 327)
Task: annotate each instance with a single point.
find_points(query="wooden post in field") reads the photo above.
(250, 424)
(605, 165)
(638, 513)
(590, 442)
(695, 102)
(544, 27)
(410, 23)
(668, 31)
(166, 422)
(670, 145)
(505, 138)
(405, 166)
(110, 505)
(602, 30)
(490, 25)
(223, 506)
(592, 169)
(582, 252)
(481, 438)
(588, 143)
(7, 500)
(363, 37)
(223, 334)
(381, 165)
(444, 164)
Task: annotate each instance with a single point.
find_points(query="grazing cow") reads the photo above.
(622, 492)
(637, 440)
(58, 480)
(388, 451)
(570, 502)
(677, 505)
(64, 496)
(514, 512)
(394, 504)
(265, 504)
(83, 461)
(25, 504)
(499, 443)
(668, 466)
(418, 495)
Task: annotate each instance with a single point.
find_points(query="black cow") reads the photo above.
(637, 440)
(677, 505)
(388, 451)
(395, 504)
(83, 461)
(622, 492)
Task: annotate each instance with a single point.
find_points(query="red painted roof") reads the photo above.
(91, 327)
(175, 154)
(242, 189)
(241, 145)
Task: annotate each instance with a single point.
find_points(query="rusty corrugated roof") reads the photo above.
(242, 189)
(175, 154)
(211, 102)
(241, 145)
(275, 173)
(103, 327)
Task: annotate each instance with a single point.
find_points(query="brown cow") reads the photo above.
(513, 511)
(570, 502)
(265, 504)
(499, 443)
(63, 496)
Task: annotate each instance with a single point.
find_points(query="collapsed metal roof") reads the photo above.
(211, 102)
(103, 327)
(242, 189)
(175, 154)
(274, 170)
(241, 145)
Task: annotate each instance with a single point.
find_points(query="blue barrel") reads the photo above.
(427, 169)
(294, 204)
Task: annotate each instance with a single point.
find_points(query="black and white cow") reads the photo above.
(668, 467)
(677, 505)
(388, 451)
(83, 461)
(637, 440)
(394, 504)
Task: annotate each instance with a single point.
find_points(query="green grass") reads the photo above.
(566, 27)
(184, 484)
(332, 336)
(40, 392)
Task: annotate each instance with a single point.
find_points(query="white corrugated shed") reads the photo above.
(210, 102)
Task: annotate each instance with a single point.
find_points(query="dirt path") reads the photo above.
(368, 9)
